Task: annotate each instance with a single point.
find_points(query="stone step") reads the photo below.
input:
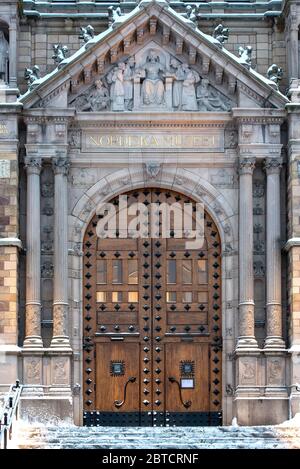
(65, 437)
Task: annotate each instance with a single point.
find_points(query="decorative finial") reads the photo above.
(275, 74)
(31, 75)
(245, 56)
(60, 53)
(221, 34)
(87, 33)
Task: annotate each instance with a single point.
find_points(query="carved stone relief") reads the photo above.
(152, 79)
(247, 370)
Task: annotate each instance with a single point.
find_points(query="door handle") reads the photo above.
(186, 404)
(118, 403)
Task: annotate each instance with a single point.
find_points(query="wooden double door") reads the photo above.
(152, 324)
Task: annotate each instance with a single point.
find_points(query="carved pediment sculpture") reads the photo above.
(134, 60)
(160, 82)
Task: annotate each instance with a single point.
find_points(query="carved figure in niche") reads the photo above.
(95, 100)
(4, 47)
(117, 93)
(209, 99)
(189, 99)
(128, 83)
(179, 76)
(153, 86)
(31, 75)
(87, 33)
(245, 55)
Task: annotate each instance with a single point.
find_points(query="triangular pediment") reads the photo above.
(162, 60)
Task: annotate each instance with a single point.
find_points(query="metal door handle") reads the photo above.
(186, 404)
(119, 404)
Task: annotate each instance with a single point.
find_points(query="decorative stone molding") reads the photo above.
(11, 242)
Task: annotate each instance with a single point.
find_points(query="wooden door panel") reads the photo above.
(163, 312)
(179, 398)
(110, 383)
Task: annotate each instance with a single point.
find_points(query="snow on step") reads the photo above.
(283, 436)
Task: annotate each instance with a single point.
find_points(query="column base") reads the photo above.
(274, 343)
(33, 342)
(246, 343)
(60, 342)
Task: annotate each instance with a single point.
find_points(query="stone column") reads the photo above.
(60, 337)
(246, 337)
(273, 253)
(12, 53)
(293, 53)
(33, 256)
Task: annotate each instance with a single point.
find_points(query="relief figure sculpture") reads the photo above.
(153, 86)
(128, 83)
(117, 92)
(189, 100)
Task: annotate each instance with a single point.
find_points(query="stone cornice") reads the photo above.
(54, 116)
(292, 242)
(153, 119)
(259, 116)
(11, 242)
(260, 150)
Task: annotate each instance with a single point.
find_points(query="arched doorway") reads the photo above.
(152, 324)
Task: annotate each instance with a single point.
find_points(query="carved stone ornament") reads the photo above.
(273, 165)
(275, 74)
(152, 169)
(87, 33)
(259, 269)
(61, 165)
(31, 75)
(245, 56)
(246, 165)
(191, 12)
(114, 14)
(160, 81)
(33, 165)
(60, 53)
(258, 189)
(47, 270)
(221, 34)
(47, 189)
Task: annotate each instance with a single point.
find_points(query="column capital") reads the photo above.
(61, 165)
(246, 165)
(33, 165)
(273, 165)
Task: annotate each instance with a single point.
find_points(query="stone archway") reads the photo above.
(152, 320)
(189, 184)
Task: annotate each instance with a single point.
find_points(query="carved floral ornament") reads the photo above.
(151, 80)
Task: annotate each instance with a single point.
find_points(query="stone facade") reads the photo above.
(223, 134)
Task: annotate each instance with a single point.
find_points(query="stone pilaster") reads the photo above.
(273, 268)
(246, 337)
(33, 256)
(60, 337)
